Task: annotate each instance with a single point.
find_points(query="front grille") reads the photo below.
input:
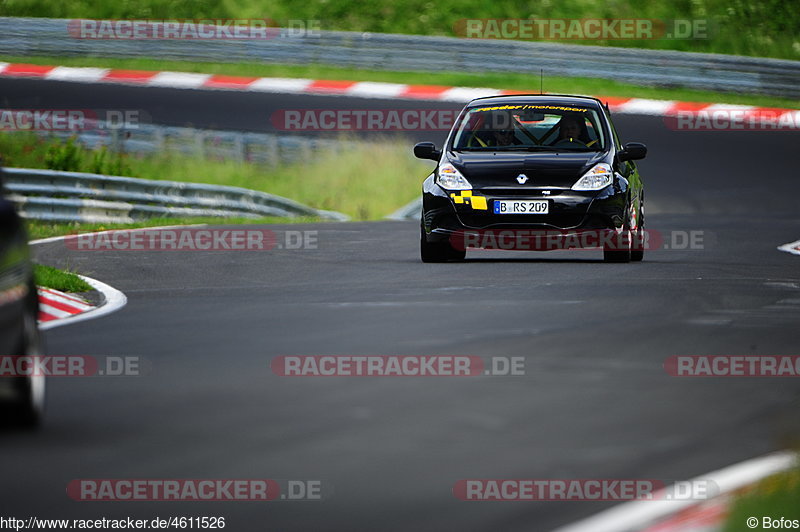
(533, 193)
(488, 220)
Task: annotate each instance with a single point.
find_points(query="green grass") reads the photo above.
(777, 496)
(367, 182)
(749, 27)
(522, 82)
(44, 229)
(65, 281)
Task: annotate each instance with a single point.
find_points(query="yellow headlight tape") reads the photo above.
(466, 197)
(479, 203)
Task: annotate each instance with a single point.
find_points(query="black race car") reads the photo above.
(21, 397)
(537, 172)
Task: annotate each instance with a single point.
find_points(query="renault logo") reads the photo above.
(522, 179)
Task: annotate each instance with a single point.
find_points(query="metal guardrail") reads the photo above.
(50, 37)
(410, 211)
(73, 196)
(262, 148)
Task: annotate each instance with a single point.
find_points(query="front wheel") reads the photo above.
(637, 251)
(29, 406)
(620, 250)
(438, 251)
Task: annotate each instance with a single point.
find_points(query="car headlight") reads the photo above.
(451, 179)
(600, 176)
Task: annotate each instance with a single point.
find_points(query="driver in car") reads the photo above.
(572, 132)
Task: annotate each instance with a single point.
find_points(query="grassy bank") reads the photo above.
(366, 183)
(766, 28)
(65, 281)
(496, 80)
(774, 497)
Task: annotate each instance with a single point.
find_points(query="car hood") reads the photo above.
(498, 169)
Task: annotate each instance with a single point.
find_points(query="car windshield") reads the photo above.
(530, 127)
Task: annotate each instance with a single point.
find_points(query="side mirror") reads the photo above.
(633, 151)
(427, 150)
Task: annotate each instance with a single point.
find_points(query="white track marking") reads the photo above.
(792, 247)
(369, 89)
(76, 74)
(290, 85)
(466, 94)
(178, 80)
(641, 106)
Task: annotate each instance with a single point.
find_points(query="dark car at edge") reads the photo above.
(21, 390)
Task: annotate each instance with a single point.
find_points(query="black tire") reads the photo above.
(613, 254)
(438, 251)
(28, 408)
(637, 249)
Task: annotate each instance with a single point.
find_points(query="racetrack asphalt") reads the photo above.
(595, 401)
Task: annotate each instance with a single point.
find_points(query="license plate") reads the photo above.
(521, 206)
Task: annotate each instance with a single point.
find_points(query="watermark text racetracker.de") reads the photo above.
(194, 29)
(600, 489)
(374, 120)
(396, 366)
(558, 29)
(67, 120)
(198, 490)
(553, 239)
(733, 366)
(732, 118)
(194, 239)
(72, 366)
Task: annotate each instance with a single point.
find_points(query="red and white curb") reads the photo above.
(358, 89)
(54, 305)
(791, 247)
(661, 515)
(57, 308)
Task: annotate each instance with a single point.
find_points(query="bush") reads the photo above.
(105, 162)
(66, 157)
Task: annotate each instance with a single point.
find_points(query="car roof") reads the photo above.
(540, 99)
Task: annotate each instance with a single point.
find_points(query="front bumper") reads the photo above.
(445, 213)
